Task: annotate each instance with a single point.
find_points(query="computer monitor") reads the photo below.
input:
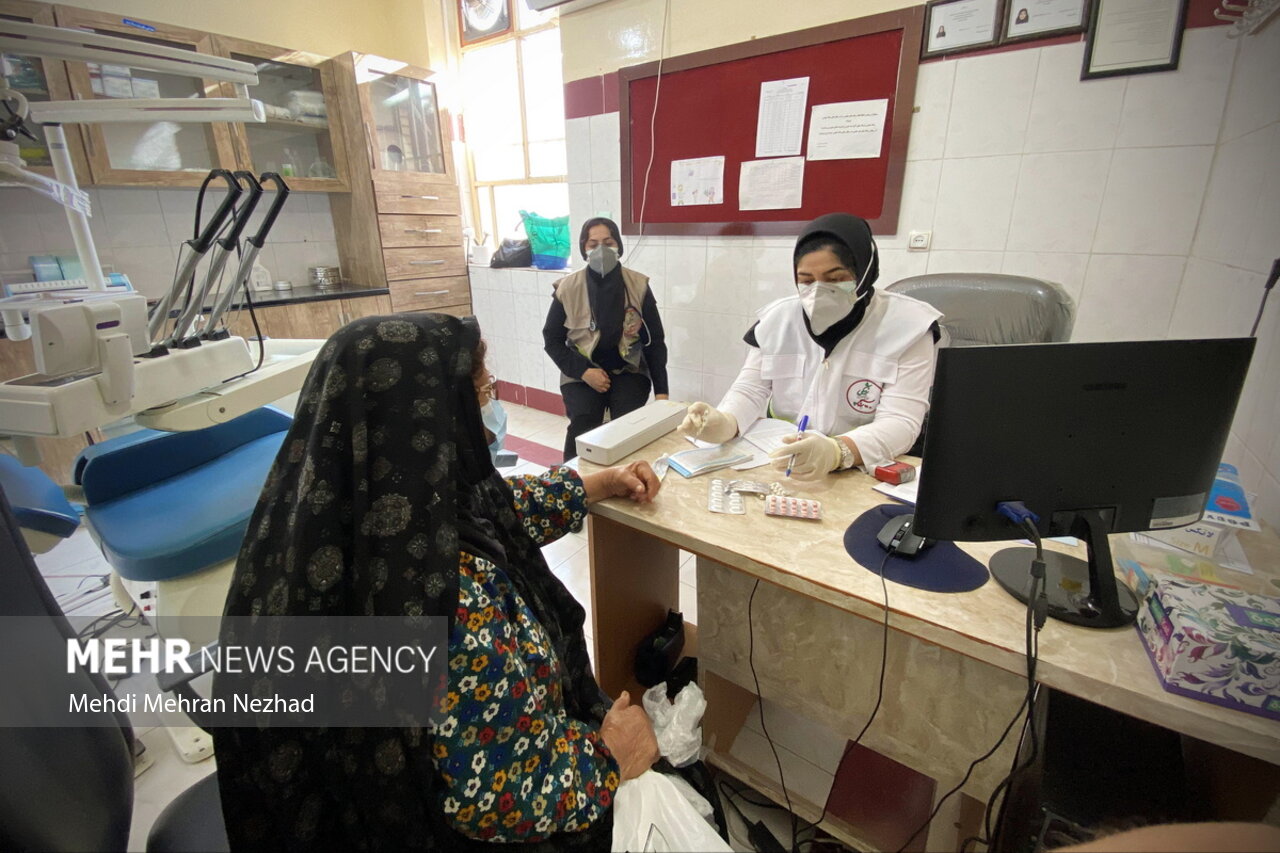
(1095, 438)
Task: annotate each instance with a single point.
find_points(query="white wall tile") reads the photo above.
(975, 202)
(686, 272)
(606, 199)
(1255, 97)
(919, 201)
(773, 271)
(1153, 200)
(1234, 190)
(1070, 114)
(897, 264)
(577, 143)
(724, 350)
(729, 274)
(581, 204)
(1264, 226)
(605, 149)
(990, 104)
(500, 279)
(714, 387)
(947, 261)
(133, 217)
(684, 384)
(1057, 201)
(1215, 300)
(648, 255)
(1065, 269)
(150, 268)
(1182, 107)
(23, 233)
(524, 281)
(530, 314)
(934, 83)
(1128, 297)
(1263, 370)
(686, 334)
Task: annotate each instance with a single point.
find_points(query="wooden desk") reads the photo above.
(956, 665)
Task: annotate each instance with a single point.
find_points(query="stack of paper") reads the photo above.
(691, 463)
(762, 438)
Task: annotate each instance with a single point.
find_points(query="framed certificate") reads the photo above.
(952, 26)
(1133, 37)
(1028, 19)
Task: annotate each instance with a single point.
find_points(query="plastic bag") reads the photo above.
(658, 812)
(677, 724)
(512, 253)
(549, 239)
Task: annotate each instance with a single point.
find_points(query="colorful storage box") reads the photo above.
(1219, 645)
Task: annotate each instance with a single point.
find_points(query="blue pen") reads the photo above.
(804, 423)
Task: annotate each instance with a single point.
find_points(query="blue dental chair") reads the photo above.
(44, 514)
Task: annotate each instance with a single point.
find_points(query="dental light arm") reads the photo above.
(198, 247)
(253, 245)
(225, 245)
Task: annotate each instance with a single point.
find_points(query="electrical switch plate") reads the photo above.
(918, 239)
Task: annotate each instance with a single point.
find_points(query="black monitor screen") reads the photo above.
(1127, 435)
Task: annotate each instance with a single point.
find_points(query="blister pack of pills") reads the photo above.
(788, 507)
(720, 499)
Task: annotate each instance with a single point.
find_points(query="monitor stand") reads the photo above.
(1080, 592)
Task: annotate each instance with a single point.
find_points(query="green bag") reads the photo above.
(549, 240)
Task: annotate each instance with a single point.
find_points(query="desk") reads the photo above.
(956, 668)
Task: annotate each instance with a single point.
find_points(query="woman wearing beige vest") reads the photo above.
(604, 333)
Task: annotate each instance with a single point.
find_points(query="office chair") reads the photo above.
(988, 308)
(71, 788)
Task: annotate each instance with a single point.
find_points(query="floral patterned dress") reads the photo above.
(515, 766)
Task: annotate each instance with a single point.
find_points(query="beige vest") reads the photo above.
(572, 293)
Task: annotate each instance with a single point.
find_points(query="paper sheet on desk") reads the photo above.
(905, 492)
(762, 438)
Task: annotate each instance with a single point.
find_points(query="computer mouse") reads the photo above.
(896, 536)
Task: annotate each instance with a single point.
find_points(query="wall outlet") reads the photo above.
(918, 240)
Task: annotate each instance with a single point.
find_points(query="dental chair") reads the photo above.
(981, 309)
(169, 510)
(43, 512)
(71, 788)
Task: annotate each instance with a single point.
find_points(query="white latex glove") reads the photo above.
(707, 423)
(815, 454)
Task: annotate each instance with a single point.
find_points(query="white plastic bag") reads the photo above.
(677, 726)
(654, 812)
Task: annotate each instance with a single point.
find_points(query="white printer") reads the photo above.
(609, 442)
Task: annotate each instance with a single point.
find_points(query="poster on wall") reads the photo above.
(776, 184)
(1024, 19)
(1133, 37)
(852, 130)
(697, 181)
(780, 123)
(951, 26)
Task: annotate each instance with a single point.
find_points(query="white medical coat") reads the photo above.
(874, 387)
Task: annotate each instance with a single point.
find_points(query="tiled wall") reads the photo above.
(1152, 199)
(138, 232)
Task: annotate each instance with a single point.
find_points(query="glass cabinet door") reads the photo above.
(297, 140)
(154, 153)
(38, 79)
(405, 123)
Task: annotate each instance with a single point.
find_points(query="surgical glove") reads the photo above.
(815, 455)
(707, 423)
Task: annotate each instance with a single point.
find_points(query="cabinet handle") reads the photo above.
(368, 146)
(423, 230)
(430, 292)
(426, 263)
(426, 197)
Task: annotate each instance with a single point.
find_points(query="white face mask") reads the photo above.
(827, 303)
(602, 259)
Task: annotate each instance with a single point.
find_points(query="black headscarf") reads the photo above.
(592, 223)
(383, 477)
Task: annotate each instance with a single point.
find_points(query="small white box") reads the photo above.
(609, 442)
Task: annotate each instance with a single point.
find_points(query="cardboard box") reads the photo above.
(609, 442)
(1219, 645)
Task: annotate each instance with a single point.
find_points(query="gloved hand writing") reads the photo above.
(707, 423)
(815, 455)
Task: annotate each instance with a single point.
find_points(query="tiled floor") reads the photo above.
(77, 575)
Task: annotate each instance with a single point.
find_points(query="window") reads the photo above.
(513, 121)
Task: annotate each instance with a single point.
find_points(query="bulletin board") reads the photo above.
(708, 103)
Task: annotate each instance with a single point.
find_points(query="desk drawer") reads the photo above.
(405, 230)
(429, 294)
(424, 261)
(415, 197)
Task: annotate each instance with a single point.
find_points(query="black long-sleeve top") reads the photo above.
(607, 296)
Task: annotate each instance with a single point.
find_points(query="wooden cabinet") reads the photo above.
(401, 224)
(308, 319)
(37, 80)
(147, 153)
(298, 139)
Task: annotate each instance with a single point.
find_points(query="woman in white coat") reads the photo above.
(856, 361)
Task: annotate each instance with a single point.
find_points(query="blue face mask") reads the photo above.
(495, 421)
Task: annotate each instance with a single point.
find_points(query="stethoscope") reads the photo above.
(626, 304)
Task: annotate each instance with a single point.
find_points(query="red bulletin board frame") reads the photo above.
(707, 107)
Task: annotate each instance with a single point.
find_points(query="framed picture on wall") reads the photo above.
(483, 19)
(1035, 19)
(1133, 37)
(952, 26)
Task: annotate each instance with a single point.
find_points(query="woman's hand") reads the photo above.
(635, 481)
(597, 378)
(628, 734)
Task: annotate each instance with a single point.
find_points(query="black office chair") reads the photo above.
(72, 788)
(987, 308)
